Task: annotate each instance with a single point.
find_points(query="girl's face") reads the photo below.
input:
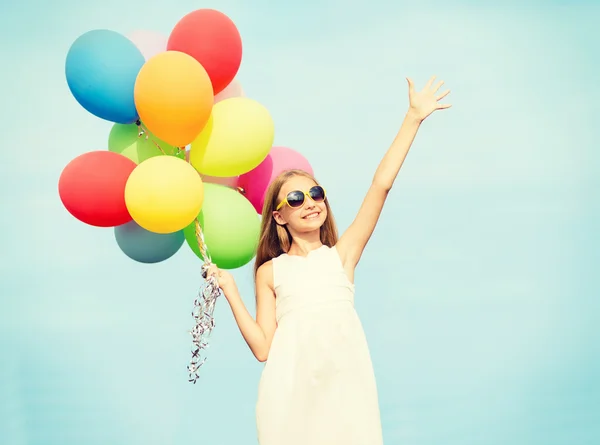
(306, 216)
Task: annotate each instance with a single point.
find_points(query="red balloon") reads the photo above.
(92, 188)
(210, 37)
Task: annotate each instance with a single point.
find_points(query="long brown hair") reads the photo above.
(275, 239)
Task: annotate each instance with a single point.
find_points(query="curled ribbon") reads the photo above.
(204, 307)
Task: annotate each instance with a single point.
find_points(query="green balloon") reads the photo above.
(124, 139)
(230, 226)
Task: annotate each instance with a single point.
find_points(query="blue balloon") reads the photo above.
(101, 70)
(147, 247)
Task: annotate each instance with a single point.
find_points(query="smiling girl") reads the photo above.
(318, 386)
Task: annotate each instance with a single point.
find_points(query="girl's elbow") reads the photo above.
(383, 185)
(261, 349)
(262, 355)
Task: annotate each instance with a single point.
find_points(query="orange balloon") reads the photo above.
(174, 97)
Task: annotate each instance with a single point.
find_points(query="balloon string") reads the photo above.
(204, 306)
(142, 130)
(200, 241)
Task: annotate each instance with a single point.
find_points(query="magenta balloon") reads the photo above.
(256, 182)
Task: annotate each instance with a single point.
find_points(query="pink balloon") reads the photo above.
(234, 89)
(256, 182)
(150, 43)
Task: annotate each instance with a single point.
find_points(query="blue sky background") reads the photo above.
(478, 292)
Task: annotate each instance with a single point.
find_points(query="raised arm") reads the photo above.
(422, 103)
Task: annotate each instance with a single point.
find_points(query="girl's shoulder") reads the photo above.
(264, 273)
(264, 267)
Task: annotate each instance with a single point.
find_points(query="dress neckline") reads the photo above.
(308, 254)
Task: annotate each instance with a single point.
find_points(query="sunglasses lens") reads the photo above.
(317, 193)
(295, 199)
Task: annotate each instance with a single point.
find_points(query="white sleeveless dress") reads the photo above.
(318, 385)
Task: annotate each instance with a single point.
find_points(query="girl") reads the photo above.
(318, 385)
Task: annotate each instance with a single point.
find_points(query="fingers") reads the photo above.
(430, 82)
(430, 90)
(441, 96)
(213, 271)
(428, 85)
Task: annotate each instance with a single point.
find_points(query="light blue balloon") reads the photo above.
(101, 70)
(147, 247)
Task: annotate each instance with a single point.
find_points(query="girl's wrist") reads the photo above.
(231, 293)
(412, 115)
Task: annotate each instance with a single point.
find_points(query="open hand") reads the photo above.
(426, 101)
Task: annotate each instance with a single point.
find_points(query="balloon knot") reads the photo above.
(241, 190)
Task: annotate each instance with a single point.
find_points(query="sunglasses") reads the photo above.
(295, 199)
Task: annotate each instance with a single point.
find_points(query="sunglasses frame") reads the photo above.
(306, 194)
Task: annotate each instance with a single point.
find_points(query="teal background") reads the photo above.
(479, 291)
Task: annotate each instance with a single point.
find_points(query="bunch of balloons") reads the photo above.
(187, 151)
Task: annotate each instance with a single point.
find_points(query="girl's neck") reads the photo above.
(303, 245)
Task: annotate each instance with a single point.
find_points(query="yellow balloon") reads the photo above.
(164, 194)
(236, 139)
